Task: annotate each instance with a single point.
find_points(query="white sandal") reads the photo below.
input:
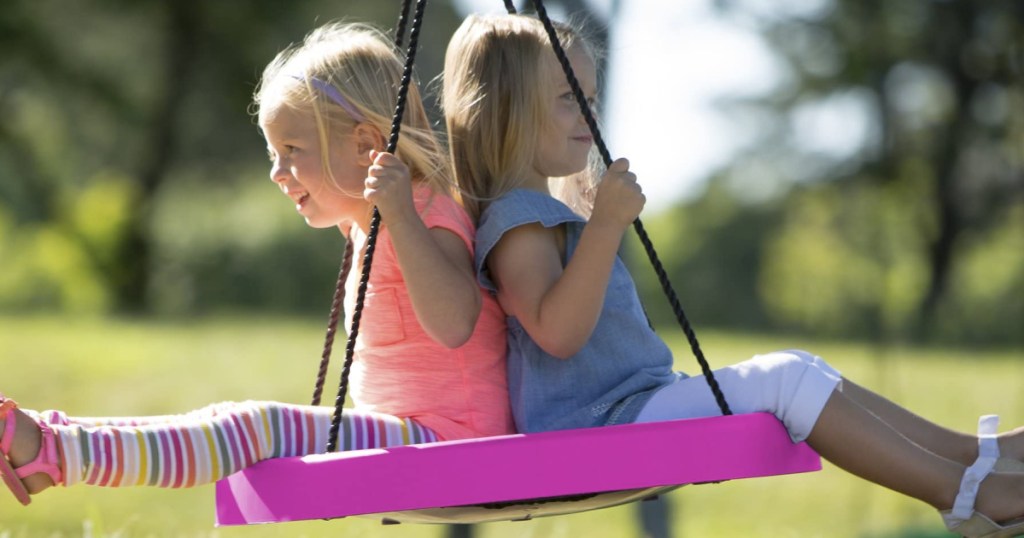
(962, 519)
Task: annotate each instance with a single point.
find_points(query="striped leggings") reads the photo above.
(208, 444)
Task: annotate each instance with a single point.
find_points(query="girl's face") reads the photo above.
(297, 167)
(565, 140)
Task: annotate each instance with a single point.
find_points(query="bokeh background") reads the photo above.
(873, 186)
(843, 175)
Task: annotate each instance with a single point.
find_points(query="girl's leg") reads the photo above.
(53, 416)
(802, 392)
(950, 444)
(947, 443)
(201, 449)
(858, 441)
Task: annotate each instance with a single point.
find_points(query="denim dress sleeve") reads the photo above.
(615, 373)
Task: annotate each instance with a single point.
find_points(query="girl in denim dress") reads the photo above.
(581, 353)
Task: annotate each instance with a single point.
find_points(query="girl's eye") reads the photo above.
(287, 150)
(569, 96)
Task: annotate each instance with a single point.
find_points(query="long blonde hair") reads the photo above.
(494, 103)
(365, 68)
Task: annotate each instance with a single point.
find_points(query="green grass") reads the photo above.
(117, 367)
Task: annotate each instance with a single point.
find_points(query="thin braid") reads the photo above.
(332, 322)
(371, 239)
(659, 269)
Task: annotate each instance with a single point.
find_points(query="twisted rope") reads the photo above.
(346, 262)
(403, 17)
(659, 269)
(371, 238)
(332, 322)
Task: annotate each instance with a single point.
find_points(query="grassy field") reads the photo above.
(104, 367)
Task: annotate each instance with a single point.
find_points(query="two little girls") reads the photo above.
(430, 359)
(581, 352)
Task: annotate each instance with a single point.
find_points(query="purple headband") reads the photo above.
(334, 95)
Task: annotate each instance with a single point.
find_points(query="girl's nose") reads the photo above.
(278, 173)
(583, 119)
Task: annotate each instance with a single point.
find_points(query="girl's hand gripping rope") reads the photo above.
(389, 187)
(619, 197)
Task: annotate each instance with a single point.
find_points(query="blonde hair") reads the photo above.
(494, 101)
(365, 68)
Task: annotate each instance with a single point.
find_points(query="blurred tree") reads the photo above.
(141, 97)
(899, 125)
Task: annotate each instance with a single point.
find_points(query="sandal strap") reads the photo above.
(988, 453)
(6, 406)
(46, 459)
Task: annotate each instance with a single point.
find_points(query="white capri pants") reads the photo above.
(793, 385)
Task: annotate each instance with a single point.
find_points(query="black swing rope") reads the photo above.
(346, 262)
(638, 226)
(403, 18)
(371, 241)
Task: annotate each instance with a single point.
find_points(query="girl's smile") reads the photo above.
(299, 168)
(565, 142)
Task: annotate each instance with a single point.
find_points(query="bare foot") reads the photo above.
(25, 447)
(1001, 497)
(1011, 445)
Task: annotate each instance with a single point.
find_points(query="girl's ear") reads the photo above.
(368, 137)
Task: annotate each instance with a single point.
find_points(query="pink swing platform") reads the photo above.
(512, 477)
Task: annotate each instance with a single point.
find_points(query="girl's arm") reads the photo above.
(436, 264)
(557, 307)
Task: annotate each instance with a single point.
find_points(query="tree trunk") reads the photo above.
(132, 265)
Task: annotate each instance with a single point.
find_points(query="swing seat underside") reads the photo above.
(512, 477)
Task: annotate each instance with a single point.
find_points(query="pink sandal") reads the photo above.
(45, 461)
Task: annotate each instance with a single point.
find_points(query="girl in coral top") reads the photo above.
(430, 360)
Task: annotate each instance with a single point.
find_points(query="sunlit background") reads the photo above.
(812, 166)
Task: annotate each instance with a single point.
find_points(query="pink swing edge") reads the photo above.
(518, 467)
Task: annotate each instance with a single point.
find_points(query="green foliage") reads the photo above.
(45, 268)
(238, 245)
(844, 259)
(710, 249)
(909, 228)
(986, 302)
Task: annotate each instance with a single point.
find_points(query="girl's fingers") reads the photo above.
(383, 158)
(619, 165)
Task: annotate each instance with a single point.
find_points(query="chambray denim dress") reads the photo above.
(615, 373)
